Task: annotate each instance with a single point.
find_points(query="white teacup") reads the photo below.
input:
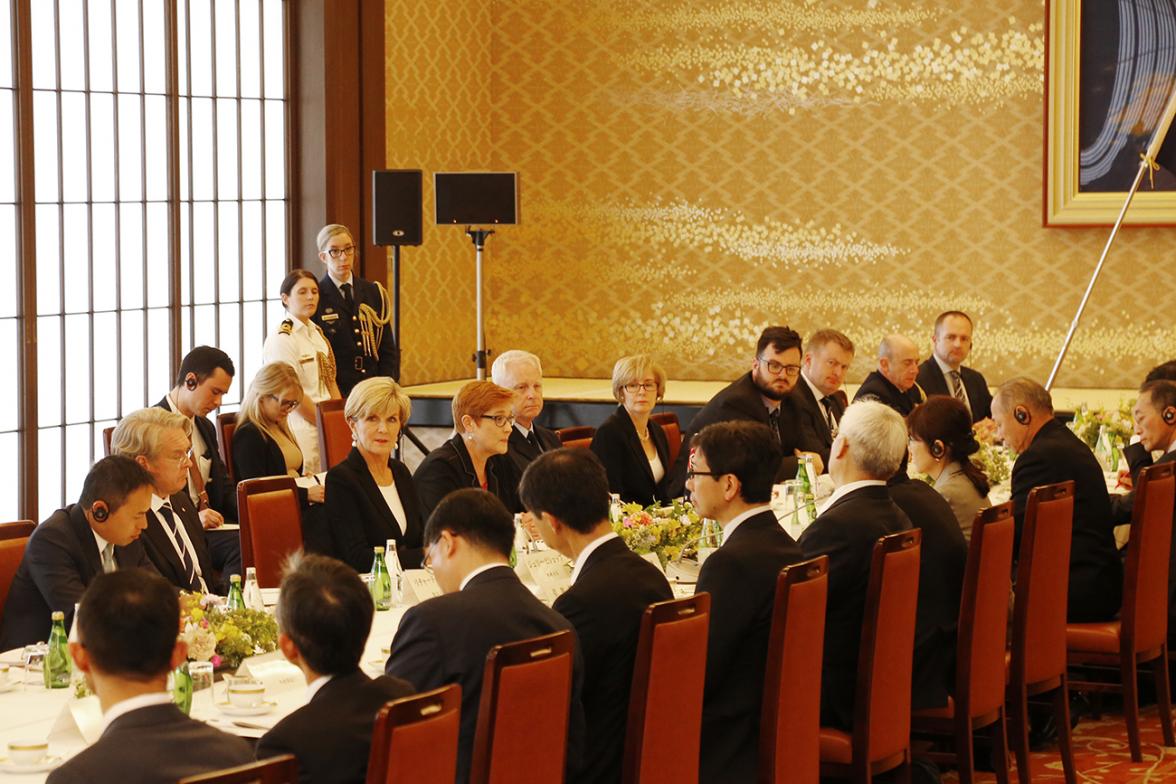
(28, 752)
(246, 694)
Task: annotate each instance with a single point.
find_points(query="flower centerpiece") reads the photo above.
(1090, 424)
(993, 458)
(222, 636)
(669, 531)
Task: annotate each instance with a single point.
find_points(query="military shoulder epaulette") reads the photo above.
(287, 327)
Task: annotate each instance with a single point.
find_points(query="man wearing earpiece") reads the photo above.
(98, 534)
(1048, 453)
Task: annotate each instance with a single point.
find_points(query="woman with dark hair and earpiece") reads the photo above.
(941, 445)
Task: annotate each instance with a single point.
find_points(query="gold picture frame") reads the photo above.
(1065, 203)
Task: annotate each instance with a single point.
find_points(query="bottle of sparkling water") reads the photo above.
(806, 502)
(56, 666)
(395, 570)
(181, 687)
(381, 584)
(252, 591)
(236, 598)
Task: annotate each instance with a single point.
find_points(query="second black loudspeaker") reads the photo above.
(396, 207)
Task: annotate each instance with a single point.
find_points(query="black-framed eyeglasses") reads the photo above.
(776, 368)
(285, 405)
(338, 253)
(635, 386)
(691, 474)
(502, 420)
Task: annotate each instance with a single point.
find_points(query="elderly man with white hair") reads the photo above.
(870, 444)
(521, 373)
(893, 383)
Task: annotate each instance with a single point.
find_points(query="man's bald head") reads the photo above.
(898, 361)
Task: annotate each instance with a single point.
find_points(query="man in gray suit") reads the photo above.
(126, 647)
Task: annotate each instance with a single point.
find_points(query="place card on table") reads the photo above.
(419, 585)
(548, 570)
(79, 723)
(273, 670)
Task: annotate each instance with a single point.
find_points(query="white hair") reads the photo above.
(877, 437)
(501, 367)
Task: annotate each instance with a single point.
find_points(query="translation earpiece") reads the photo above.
(99, 511)
(1021, 414)
(937, 449)
(190, 382)
(1169, 415)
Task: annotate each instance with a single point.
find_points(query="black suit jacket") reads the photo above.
(222, 492)
(741, 578)
(446, 639)
(605, 605)
(359, 518)
(941, 584)
(1137, 459)
(60, 560)
(521, 451)
(449, 467)
(741, 401)
(878, 387)
(332, 734)
(846, 532)
(1096, 573)
(814, 427)
(163, 555)
(618, 446)
(931, 379)
(256, 455)
(153, 745)
(340, 324)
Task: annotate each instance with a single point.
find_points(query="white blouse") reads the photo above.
(392, 498)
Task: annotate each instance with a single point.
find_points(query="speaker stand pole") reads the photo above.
(394, 277)
(479, 236)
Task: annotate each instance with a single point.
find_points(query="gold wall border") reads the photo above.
(1063, 204)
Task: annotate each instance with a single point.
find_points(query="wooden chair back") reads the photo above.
(13, 538)
(415, 739)
(664, 726)
(276, 770)
(673, 430)
(1144, 616)
(578, 436)
(107, 438)
(271, 525)
(333, 433)
(225, 425)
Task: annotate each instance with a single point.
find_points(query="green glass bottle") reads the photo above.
(182, 687)
(381, 584)
(236, 598)
(57, 666)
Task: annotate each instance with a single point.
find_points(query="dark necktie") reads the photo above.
(957, 387)
(186, 562)
(774, 423)
(346, 289)
(830, 420)
(533, 440)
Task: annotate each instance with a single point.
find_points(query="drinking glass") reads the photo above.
(202, 677)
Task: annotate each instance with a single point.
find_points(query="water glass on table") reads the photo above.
(202, 677)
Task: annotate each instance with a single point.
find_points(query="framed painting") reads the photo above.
(1110, 70)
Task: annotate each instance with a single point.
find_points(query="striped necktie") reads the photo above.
(108, 558)
(186, 562)
(957, 387)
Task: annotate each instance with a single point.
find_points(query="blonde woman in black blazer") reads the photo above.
(633, 448)
(371, 496)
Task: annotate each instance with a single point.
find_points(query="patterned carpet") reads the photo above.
(1101, 754)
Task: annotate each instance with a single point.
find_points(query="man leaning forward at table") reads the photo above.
(566, 491)
(730, 481)
(126, 647)
(324, 617)
(445, 640)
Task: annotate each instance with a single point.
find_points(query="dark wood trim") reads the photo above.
(374, 137)
(293, 135)
(171, 63)
(27, 249)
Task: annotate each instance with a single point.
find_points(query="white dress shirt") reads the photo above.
(483, 568)
(848, 488)
(134, 703)
(587, 551)
(313, 687)
(730, 526)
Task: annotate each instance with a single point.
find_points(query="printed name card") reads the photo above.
(548, 570)
(78, 724)
(273, 670)
(419, 585)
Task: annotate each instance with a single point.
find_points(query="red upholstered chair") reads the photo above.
(333, 433)
(107, 437)
(415, 739)
(225, 425)
(673, 430)
(13, 538)
(979, 694)
(1037, 664)
(271, 525)
(277, 770)
(1140, 635)
(790, 724)
(578, 436)
(880, 740)
(522, 730)
(665, 703)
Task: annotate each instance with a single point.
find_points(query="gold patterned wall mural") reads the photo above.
(690, 172)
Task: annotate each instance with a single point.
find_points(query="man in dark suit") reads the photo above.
(206, 374)
(566, 491)
(762, 395)
(99, 533)
(324, 617)
(158, 440)
(944, 373)
(941, 584)
(868, 450)
(731, 482)
(820, 399)
(893, 383)
(126, 647)
(353, 314)
(1048, 453)
(468, 540)
(521, 373)
(1136, 455)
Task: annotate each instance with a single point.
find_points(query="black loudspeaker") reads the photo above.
(476, 198)
(396, 207)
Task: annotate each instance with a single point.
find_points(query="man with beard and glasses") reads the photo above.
(761, 395)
